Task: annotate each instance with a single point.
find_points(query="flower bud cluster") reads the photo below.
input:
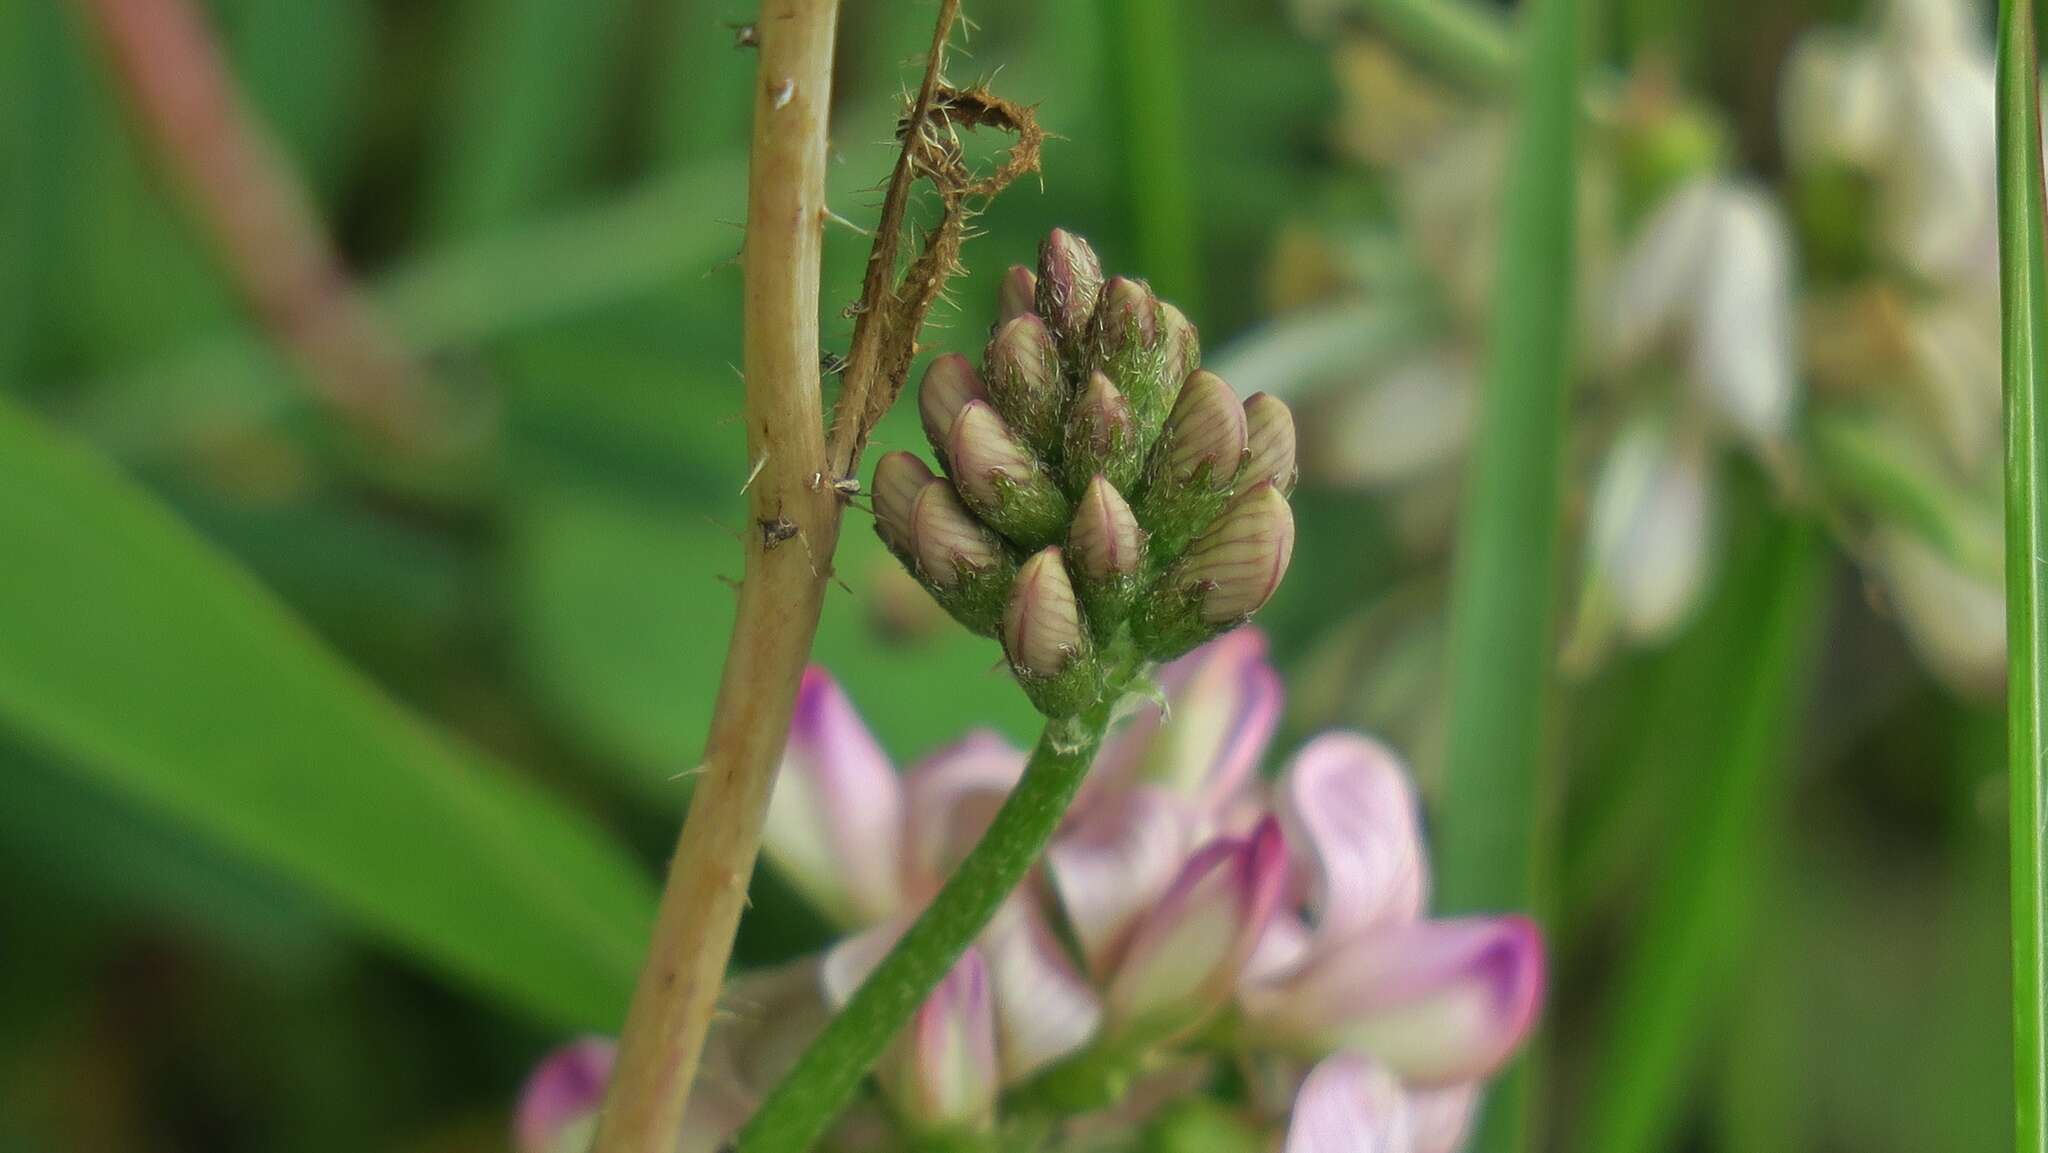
(1100, 489)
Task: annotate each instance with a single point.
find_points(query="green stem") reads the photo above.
(1499, 794)
(2022, 289)
(1746, 667)
(823, 1080)
(1158, 179)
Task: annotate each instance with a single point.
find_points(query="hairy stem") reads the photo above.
(800, 1108)
(793, 528)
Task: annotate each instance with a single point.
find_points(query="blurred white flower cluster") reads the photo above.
(1836, 327)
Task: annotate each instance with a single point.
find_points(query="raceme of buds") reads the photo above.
(1083, 459)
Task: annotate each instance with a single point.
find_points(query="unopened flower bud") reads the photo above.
(1186, 955)
(1226, 575)
(1002, 481)
(899, 478)
(1069, 281)
(949, 383)
(1046, 638)
(1127, 342)
(1193, 467)
(959, 559)
(1108, 551)
(1017, 295)
(1269, 443)
(1180, 341)
(1102, 437)
(1023, 367)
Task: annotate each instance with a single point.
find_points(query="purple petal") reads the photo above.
(1346, 804)
(1438, 1002)
(559, 1105)
(1225, 702)
(835, 821)
(1114, 864)
(1187, 954)
(1045, 1009)
(1349, 1104)
(949, 800)
(1439, 1119)
(849, 962)
(941, 1072)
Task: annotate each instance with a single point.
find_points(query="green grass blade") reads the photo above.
(139, 659)
(1497, 795)
(1460, 37)
(2025, 327)
(1744, 668)
(1150, 41)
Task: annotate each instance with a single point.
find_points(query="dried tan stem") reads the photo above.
(182, 96)
(794, 526)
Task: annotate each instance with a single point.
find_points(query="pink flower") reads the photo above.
(1185, 885)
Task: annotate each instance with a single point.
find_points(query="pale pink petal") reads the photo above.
(941, 1072)
(949, 799)
(1438, 1002)
(849, 962)
(1350, 816)
(1045, 1009)
(1225, 700)
(1440, 1119)
(559, 1104)
(1186, 955)
(835, 820)
(1114, 864)
(1281, 949)
(1349, 1104)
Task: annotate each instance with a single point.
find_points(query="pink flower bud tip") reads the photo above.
(1269, 442)
(984, 453)
(1069, 283)
(559, 1105)
(1207, 429)
(946, 539)
(1240, 561)
(1105, 540)
(1018, 293)
(950, 382)
(1042, 628)
(899, 479)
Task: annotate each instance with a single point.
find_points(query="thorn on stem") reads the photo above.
(780, 95)
(745, 36)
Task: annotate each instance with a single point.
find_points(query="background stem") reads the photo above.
(798, 1110)
(780, 597)
(1498, 797)
(2021, 290)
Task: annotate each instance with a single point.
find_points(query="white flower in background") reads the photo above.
(1954, 618)
(1911, 106)
(1707, 284)
(1648, 538)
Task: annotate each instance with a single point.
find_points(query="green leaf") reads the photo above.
(1497, 792)
(140, 659)
(1741, 673)
(2025, 328)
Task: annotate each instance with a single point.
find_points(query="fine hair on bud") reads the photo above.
(1024, 381)
(950, 382)
(1046, 637)
(1269, 443)
(1017, 295)
(1101, 437)
(1180, 342)
(1229, 571)
(899, 479)
(1001, 480)
(1069, 283)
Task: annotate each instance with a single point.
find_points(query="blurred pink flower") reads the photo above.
(1189, 888)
